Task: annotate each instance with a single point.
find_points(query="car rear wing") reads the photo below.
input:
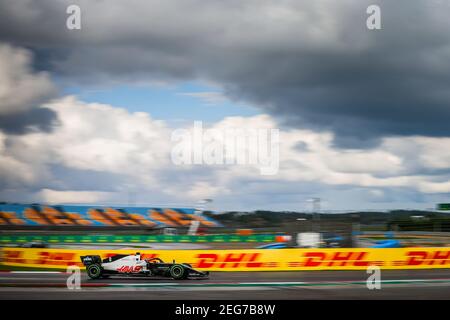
(88, 260)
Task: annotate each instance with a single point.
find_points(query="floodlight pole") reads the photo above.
(316, 212)
(199, 209)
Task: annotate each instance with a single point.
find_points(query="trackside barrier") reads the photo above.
(249, 260)
(74, 238)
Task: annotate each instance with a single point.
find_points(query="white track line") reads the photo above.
(35, 272)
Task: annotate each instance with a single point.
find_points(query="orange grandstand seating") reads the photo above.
(72, 215)
(79, 220)
(178, 217)
(33, 215)
(155, 215)
(96, 215)
(120, 217)
(202, 220)
(11, 217)
(56, 217)
(141, 220)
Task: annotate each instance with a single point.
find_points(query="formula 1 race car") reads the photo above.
(133, 265)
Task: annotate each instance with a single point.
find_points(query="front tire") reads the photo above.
(94, 271)
(178, 272)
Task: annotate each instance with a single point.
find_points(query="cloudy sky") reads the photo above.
(86, 116)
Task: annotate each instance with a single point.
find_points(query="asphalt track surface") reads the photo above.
(396, 284)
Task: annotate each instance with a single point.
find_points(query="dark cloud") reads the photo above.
(22, 93)
(312, 64)
(66, 178)
(36, 119)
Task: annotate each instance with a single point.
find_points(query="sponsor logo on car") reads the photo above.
(129, 269)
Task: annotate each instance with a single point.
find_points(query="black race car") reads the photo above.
(133, 265)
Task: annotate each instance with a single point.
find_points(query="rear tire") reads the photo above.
(178, 272)
(94, 271)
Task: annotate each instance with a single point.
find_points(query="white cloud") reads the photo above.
(21, 88)
(203, 189)
(207, 97)
(135, 149)
(434, 152)
(100, 138)
(68, 196)
(434, 187)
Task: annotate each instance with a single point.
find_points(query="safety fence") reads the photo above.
(249, 259)
(20, 239)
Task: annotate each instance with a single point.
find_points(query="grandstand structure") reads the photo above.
(37, 215)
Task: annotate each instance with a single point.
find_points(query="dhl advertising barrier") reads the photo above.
(249, 260)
